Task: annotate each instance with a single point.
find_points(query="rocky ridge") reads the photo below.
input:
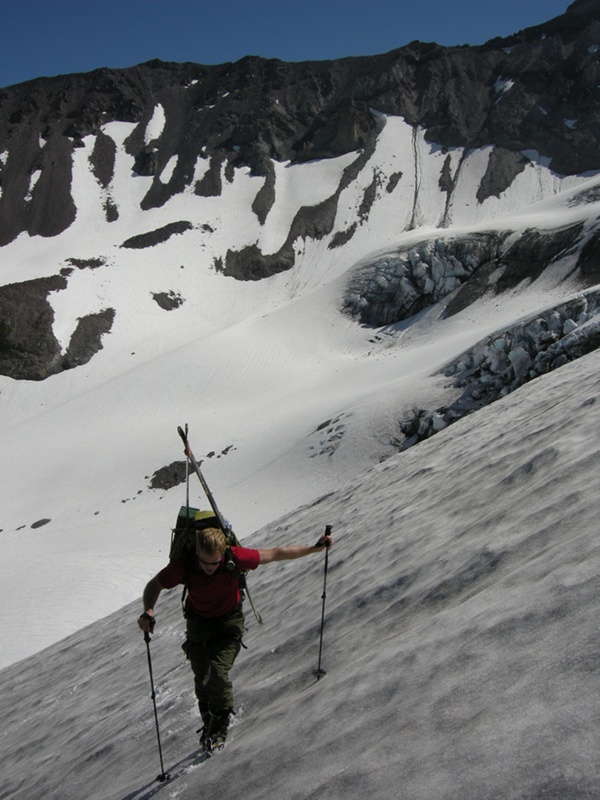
(534, 90)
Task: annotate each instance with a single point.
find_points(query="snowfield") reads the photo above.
(461, 641)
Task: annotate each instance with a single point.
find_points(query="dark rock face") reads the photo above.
(312, 222)
(167, 300)
(525, 259)
(168, 477)
(87, 338)
(589, 260)
(503, 167)
(533, 252)
(535, 90)
(28, 348)
(158, 236)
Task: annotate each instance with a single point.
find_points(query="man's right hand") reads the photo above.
(146, 622)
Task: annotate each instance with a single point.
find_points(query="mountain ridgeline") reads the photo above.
(256, 110)
(530, 98)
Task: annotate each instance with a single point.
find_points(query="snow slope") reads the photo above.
(293, 398)
(460, 644)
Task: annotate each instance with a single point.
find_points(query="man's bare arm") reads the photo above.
(291, 551)
(149, 598)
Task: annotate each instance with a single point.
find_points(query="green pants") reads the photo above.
(211, 646)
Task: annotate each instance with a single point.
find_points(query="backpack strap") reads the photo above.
(187, 577)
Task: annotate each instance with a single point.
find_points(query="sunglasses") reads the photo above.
(209, 563)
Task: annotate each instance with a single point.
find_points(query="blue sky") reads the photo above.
(50, 37)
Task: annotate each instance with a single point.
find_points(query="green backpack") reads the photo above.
(183, 544)
(183, 536)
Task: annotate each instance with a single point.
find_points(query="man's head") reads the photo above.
(210, 548)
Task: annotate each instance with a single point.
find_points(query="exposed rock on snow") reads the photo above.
(158, 236)
(86, 339)
(503, 167)
(40, 523)
(29, 349)
(168, 300)
(169, 476)
(310, 222)
(86, 263)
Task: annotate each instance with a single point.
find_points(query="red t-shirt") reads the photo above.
(211, 595)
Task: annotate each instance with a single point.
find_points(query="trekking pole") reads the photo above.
(318, 672)
(163, 775)
(222, 524)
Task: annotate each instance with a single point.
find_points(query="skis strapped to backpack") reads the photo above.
(189, 520)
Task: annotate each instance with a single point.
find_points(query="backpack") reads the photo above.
(183, 535)
(183, 543)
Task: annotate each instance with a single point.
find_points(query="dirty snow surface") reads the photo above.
(460, 643)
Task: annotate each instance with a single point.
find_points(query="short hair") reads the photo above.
(211, 541)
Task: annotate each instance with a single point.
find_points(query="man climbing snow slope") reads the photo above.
(214, 616)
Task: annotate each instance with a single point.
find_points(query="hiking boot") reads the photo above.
(216, 732)
(214, 742)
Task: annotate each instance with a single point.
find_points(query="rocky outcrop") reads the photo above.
(86, 339)
(310, 222)
(168, 300)
(533, 91)
(157, 236)
(28, 348)
(167, 477)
